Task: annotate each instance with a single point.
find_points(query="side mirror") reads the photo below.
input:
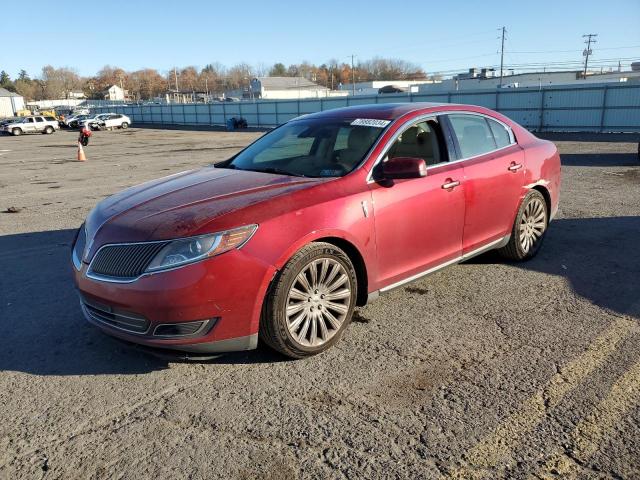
(404, 167)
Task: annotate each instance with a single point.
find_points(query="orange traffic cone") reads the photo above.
(81, 156)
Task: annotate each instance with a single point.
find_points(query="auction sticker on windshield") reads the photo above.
(370, 122)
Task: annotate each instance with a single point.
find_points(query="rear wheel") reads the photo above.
(311, 301)
(16, 131)
(529, 228)
(48, 130)
(124, 125)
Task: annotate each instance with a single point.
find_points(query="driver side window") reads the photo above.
(289, 146)
(418, 141)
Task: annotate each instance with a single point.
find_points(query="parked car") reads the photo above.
(5, 121)
(77, 120)
(116, 120)
(31, 124)
(95, 122)
(325, 213)
(70, 120)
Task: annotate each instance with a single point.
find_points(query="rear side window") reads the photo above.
(500, 133)
(51, 119)
(473, 134)
(39, 119)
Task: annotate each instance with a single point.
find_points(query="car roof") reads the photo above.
(379, 111)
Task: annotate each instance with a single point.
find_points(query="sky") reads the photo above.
(439, 36)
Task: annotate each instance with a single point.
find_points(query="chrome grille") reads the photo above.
(125, 261)
(129, 322)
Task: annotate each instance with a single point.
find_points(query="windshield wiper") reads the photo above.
(229, 165)
(275, 170)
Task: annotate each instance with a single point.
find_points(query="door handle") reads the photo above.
(450, 184)
(514, 167)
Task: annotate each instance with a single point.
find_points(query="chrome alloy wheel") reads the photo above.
(318, 302)
(532, 224)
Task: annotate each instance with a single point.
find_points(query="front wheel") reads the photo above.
(528, 229)
(16, 132)
(311, 301)
(48, 130)
(124, 125)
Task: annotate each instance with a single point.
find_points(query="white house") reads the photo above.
(114, 92)
(374, 87)
(10, 103)
(287, 87)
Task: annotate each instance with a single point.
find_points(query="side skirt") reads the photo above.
(501, 242)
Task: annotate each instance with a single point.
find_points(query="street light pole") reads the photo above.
(353, 77)
(589, 40)
(502, 56)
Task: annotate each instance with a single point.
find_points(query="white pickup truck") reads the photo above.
(32, 124)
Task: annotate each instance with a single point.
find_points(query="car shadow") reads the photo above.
(599, 160)
(600, 257)
(43, 329)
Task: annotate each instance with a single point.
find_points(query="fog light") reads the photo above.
(183, 329)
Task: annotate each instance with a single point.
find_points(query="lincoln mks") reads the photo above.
(325, 213)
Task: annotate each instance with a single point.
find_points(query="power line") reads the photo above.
(574, 51)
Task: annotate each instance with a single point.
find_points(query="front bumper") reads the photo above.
(223, 293)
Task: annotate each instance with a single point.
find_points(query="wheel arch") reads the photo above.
(358, 263)
(547, 197)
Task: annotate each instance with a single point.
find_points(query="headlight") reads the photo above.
(189, 250)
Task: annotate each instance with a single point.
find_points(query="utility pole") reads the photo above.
(353, 77)
(175, 74)
(502, 56)
(589, 40)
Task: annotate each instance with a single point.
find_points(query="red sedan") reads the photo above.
(323, 214)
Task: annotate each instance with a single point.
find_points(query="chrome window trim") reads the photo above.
(434, 115)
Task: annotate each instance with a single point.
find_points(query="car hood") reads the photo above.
(181, 204)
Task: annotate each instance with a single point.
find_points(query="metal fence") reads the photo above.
(590, 108)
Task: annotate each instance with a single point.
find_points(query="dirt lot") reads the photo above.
(484, 370)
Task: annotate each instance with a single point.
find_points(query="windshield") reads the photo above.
(310, 148)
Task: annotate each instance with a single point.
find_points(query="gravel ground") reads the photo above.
(483, 370)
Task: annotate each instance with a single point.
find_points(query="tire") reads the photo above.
(529, 228)
(300, 328)
(48, 130)
(124, 125)
(16, 132)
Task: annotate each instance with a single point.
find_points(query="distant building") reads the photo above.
(114, 92)
(286, 87)
(10, 103)
(488, 78)
(374, 87)
(177, 96)
(76, 95)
